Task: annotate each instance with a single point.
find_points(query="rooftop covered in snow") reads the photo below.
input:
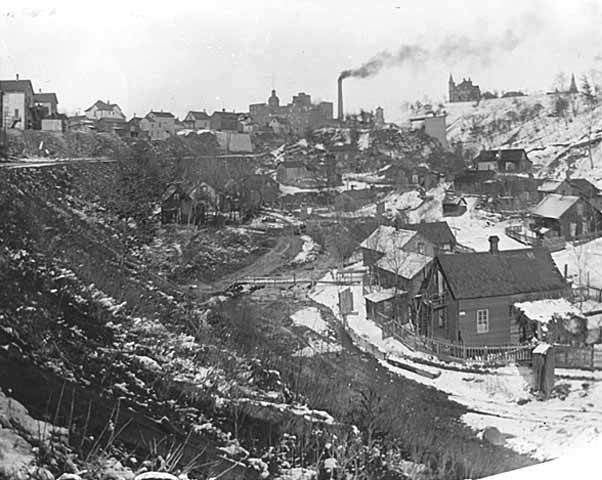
(543, 311)
(554, 205)
(385, 239)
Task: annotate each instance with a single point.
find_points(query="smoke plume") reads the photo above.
(451, 51)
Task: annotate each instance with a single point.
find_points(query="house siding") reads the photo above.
(500, 327)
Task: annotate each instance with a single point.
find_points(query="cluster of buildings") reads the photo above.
(298, 117)
(423, 282)
(21, 107)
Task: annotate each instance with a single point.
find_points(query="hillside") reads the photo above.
(556, 141)
(99, 337)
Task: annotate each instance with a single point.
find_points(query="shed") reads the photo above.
(554, 320)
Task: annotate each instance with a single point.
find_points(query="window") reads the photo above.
(441, 318)
(482, 321)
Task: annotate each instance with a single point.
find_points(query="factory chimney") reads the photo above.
(340, 104)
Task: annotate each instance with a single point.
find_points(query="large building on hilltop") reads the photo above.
(464, 91)
(301, 114)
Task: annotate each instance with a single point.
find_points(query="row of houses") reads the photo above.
(196, 203)
(422, 281)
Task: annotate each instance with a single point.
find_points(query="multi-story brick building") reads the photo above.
(301, 114)
(464, 91)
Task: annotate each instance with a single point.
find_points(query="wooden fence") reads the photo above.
(578, 357)
(488, 355)
(516, 232)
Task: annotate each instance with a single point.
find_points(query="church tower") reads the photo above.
(273, 101)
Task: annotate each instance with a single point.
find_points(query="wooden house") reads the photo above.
(566, 216)
(503, 160)
(468, 297)
(453, 205)
(438, 233)
(386, 239)
(177, 206)
(292, 171)
(197, 120)
(259, 190)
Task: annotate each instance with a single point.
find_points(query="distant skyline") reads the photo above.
(182, 56)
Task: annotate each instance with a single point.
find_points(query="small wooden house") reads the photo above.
(177, 206)
(567, 216)
(438, 233)
(468, 297)
(453, 205)
(386, 240)
(292, 171)
(503, 160)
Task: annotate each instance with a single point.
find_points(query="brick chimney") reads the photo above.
(493, 244)
(340, 100)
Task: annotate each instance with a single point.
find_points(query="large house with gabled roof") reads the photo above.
(102, 109)
(468, 298)
(196, 120)
(159, 125)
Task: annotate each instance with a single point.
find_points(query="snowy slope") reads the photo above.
(554, 144)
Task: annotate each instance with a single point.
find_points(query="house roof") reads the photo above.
(198, 115)
(508, 272)
(514, 155)
(100, 105)
(554, 205)
(16, 86)
(584, 186)
(404, 264)
(549, 186)
(229, 115)
(385, 239)
(171, 189)
(45, 97)
(438, 233)
(160, 114)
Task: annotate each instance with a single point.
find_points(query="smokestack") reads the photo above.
(17, 76)
(493, 241)
(340, 105)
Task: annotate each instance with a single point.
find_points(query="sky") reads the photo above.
(192, 55)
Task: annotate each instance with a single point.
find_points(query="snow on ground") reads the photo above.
(318, 347)
(311, 318)
(584, 262)
(542, 429)
(395, 201)
(473, 229)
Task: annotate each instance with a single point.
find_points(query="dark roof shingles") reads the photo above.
(437, 232)
(509, 272)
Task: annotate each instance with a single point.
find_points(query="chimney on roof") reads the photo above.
(17, 76)
(40, 90)
(493, 244)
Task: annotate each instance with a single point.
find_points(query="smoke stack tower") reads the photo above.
(340, 104)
